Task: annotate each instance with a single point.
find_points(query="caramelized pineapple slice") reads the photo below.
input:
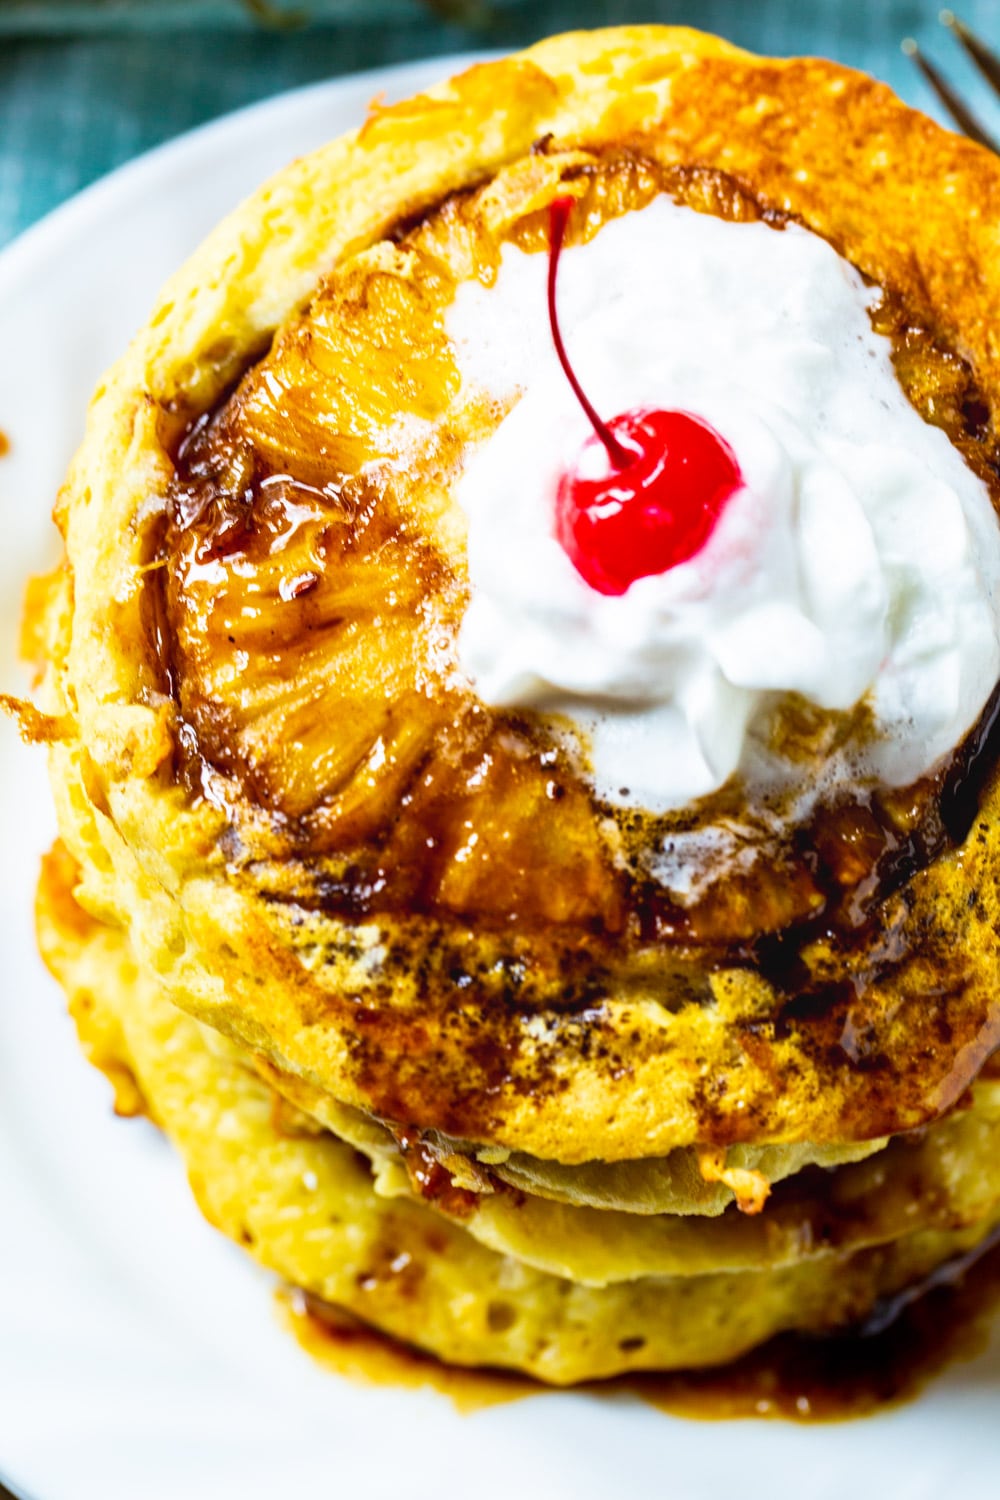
(520, 840)
(317, 585)
(343, 387)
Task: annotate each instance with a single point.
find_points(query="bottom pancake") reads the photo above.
(304, 1205)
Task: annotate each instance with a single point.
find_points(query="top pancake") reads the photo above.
(532, 1010)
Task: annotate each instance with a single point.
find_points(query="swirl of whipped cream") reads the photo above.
(860, 560)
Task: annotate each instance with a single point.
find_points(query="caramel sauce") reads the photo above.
(430, 1178)
(344, 1345)
(907, 1342)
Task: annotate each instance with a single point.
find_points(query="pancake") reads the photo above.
(676, 1184)
(522, 1048)
(330, 911)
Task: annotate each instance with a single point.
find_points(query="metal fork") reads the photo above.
(988, 64)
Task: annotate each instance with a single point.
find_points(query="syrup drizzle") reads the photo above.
(671, 475)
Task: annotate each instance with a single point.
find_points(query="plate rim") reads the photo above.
(76, 216)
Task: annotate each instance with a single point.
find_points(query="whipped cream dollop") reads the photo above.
(860, 559)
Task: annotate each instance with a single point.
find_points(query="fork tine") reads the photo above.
(963, 117)
(986, 61)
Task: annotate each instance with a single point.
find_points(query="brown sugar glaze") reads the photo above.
(908, 1341)
(306, 620)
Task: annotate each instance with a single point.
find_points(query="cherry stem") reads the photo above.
(559, 212)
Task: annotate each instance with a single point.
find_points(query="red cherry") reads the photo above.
(656, 511)
(670, 477)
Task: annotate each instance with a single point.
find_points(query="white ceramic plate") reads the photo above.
(140, 1356)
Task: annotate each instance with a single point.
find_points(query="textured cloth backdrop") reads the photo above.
(87, 84)
(28, 17)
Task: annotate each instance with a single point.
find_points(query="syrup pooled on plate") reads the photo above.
(671, 475)
(885, 1363)
(346, 1346)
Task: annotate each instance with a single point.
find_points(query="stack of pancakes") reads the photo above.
(432, 1044)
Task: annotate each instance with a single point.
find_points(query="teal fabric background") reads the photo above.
(87, 84)
(28, 17)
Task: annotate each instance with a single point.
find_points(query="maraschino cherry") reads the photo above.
(671, 476)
